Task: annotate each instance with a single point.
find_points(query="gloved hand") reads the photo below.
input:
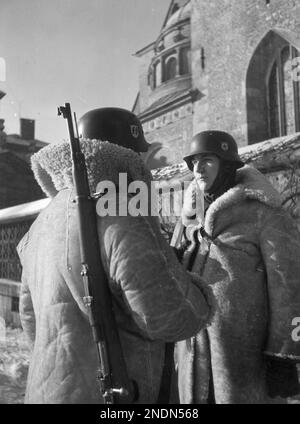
(282, 377)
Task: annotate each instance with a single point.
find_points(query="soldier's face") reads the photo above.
(205, 169)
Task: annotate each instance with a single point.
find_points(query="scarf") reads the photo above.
(222, 183)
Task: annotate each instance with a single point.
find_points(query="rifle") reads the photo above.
(115, 386)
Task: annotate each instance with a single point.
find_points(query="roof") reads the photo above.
(166, 101)
(184, 12)
(16, 139)
(136, 105)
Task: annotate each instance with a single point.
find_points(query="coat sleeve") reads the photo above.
(27, 315)
(280, 247)
(165, 301)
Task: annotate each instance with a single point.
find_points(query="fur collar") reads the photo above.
(52, 166)
(251, 184)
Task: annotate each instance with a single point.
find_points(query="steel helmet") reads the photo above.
(118, 126)
(218, 143)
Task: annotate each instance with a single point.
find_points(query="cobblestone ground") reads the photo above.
(14, 361)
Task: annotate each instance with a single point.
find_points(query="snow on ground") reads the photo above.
(14, 361)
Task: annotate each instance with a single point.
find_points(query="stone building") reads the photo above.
(225, 64)
(17, 188)
(17, 183)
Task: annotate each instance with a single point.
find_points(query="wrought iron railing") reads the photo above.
(14, 223)
(10, 235)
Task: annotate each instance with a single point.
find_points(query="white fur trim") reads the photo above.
(52, 165)
(208, 294)
(283, 356)
(251, 184)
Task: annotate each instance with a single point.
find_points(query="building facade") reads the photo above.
(17, 187)
(17, 183)
(225, 64)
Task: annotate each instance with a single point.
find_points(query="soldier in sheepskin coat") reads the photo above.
(155, 300)
(247, 248)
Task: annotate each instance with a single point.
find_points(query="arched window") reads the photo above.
(169, 65)
(274, 103)
(150, 77)
(284, 93)
(170, 69)
(157, 74)
(185, 61)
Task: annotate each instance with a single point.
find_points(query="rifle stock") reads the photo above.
(115, 385)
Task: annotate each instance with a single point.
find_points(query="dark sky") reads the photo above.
(80, 51)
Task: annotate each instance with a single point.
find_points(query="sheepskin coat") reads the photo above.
(250, 258)
(154, 299)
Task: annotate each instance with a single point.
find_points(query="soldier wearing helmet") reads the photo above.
(155, 301)
(247, 248)
(214, 160)
(219, 143)
(116, 125)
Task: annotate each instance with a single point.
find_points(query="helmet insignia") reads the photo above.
(224, 146)
(134, 130)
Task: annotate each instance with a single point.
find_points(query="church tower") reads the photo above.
(231, 65)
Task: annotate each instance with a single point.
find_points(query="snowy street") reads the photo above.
(14, 360)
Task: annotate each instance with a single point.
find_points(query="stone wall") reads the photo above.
(170, 140)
